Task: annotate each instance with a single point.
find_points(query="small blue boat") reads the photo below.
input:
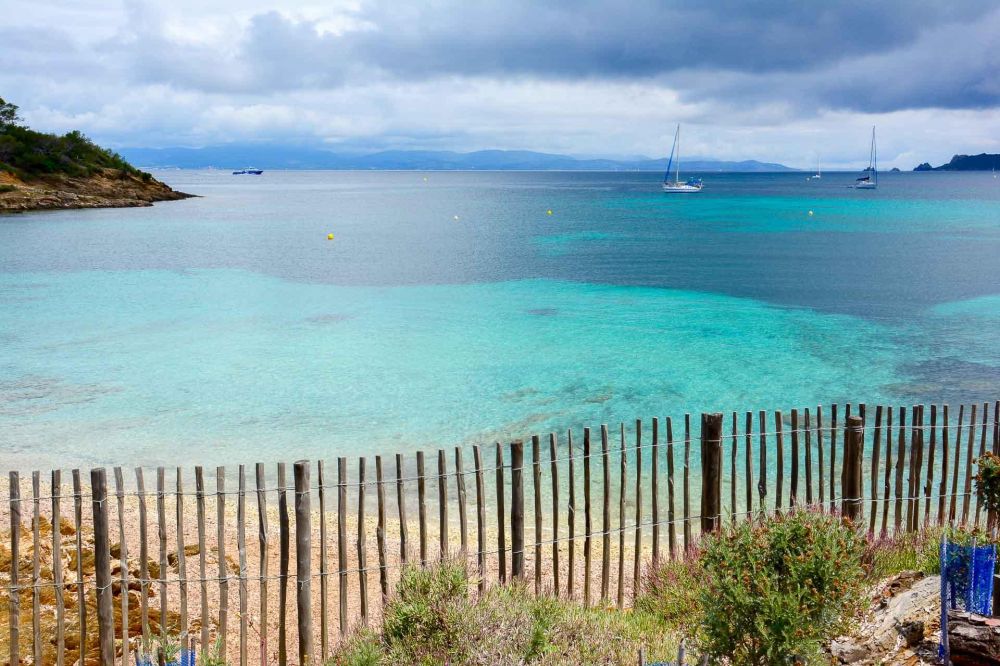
(248, 171)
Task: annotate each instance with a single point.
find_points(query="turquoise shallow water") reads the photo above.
(228, 329)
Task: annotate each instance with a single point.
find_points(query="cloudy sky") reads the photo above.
(775, 81)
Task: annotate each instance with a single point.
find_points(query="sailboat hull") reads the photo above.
(681, 188)
(866, 186)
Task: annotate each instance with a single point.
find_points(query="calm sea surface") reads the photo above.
(451, 308)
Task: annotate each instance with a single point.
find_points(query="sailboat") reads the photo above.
(675, 185)
(819, 172)
(869, 181)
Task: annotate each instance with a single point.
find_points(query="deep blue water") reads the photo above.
(229, 326)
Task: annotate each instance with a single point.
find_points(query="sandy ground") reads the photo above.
(263, 637)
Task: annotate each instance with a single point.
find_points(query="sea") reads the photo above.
(316, 314)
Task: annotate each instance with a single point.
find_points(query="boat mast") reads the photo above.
(670, 162)
(874, 158)
(677, 175)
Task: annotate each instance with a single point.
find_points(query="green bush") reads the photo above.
(671, 591)
(432, 619)
(777, 589)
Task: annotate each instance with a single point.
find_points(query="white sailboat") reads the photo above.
(675, 185)
(819, 172)
(869, 181)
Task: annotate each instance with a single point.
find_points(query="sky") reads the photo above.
(788, 82)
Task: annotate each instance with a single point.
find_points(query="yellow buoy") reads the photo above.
(329, 236)
(549, 211)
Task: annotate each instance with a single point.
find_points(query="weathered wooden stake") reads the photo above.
(876, 452)
(654, 470)
(571, 517)
(284, 547)
(851, 493)
(517, 510)
(463, 522)
(401, 505)
(623, 459)
(143, 553)
(637, 561)
(122, 560)
(220, 535)
(14, 616)
(262, 556)
(57, 571)
(477, 457)
(442, 482)
(383, 567)
(587, 524)
(422, 507)
(748, 460)
(161, 519)
(536, 478)
(36, 567)
(793, 495)
(342, 542)
(711, 472)
(324, 583)
(102, 566)
(241, 546)
(199, 490)
(606, 523)
(671, 527)
(780, 451)
(303, 560)
(501, 517)
(554, 471)
(362, 542)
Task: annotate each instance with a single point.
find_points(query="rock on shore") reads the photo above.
(109, 188)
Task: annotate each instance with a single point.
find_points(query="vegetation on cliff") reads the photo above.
(40, 170)
(29, 154)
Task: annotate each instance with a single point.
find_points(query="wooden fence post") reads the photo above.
(15, 556)
(501, 522)
(422, 507)
(477, 458)
(536, 477)
(342, 542)
(517, 509)
(851, 493)
(102, 566)
(711, 472)
(443, 545)
(303, 560)
(588, 526)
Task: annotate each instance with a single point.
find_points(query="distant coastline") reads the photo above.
(290, 157)
(980, 162)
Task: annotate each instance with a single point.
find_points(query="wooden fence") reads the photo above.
(92, 569)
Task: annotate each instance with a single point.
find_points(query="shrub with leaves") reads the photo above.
(988, 482)
(778, 587)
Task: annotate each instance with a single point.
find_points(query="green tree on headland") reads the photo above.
(8, 113)
(29, 154)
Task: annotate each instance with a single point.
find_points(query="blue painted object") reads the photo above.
(966, 583)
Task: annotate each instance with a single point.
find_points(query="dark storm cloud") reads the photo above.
(864, 56)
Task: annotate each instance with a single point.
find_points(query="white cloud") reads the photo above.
(581, 79)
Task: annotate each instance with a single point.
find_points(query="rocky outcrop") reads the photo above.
(108, 188)
(903, 626)
(973, 639)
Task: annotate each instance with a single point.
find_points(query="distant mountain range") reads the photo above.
(981, 162)
(285, 157)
